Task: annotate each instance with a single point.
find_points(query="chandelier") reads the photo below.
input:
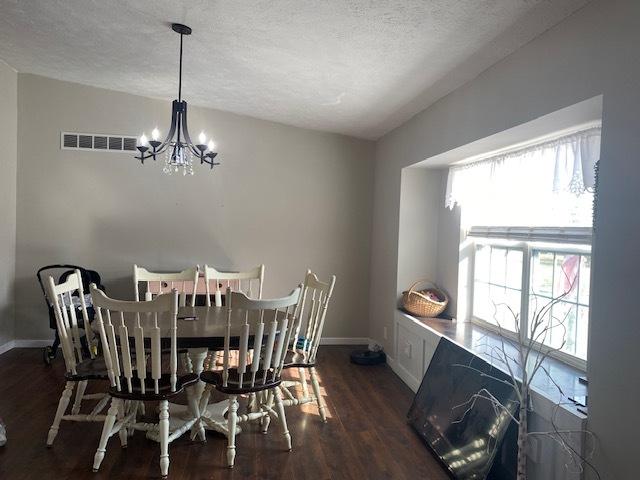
(178, 147)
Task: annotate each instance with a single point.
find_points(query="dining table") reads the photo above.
(200, 333)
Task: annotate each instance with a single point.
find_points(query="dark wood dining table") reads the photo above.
(201, 331)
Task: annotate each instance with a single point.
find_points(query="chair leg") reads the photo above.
(82, 386)
(164, 438)
(303, 380)
(232, 422)
(266, 420)
(135, 408)
(122, 411)
(283, 419)
(252, 404)
(107, 428)
(62, 407)
(316, 391)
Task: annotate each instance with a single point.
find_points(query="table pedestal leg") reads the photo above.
(212, 415)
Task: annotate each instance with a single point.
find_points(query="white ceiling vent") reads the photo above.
(97, 142)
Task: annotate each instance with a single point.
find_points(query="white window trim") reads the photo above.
(526, 248)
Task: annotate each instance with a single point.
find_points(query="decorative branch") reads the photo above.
(532, 354)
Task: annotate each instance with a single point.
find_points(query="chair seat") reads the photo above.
(164, 388)
(233, 387)
(297, 359)
(90, 369)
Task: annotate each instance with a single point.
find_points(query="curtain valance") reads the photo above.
(565, 164)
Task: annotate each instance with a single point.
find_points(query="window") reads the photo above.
(522, 278)
(497, 285)
(556, 273)
(530, 213)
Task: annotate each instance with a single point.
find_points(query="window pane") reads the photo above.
(566, 276)
(537, 306)
(536, 303)
(563, 327)
(498, 265)
(481, 269)
(481, 305)
(514, 269)
(542, 272)
(585, 279)
(500, 314)
(582, 334)
(513, 299)
(496, 298)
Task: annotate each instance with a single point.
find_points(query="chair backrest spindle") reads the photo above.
(312, 311)
(69, 329)
(260, 361)
(128, 335)
(157, 283)
(233, 280)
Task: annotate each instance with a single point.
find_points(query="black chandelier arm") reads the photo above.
(208, 159)
(158, 148)
(175, 113)
(143, 155)
(187, 138)
(146, 152)
(185, 131)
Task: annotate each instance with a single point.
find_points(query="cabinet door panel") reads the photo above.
(410, 351)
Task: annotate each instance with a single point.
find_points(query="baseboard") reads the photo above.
(7, 346)
(26, 343)
(344, 341)
(23, 343)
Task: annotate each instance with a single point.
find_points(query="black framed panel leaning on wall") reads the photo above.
(472, 442)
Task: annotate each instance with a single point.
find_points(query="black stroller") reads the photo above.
(88, 277)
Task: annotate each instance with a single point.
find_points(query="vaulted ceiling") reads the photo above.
(358, 67)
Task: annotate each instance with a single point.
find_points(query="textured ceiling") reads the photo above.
(358, 67)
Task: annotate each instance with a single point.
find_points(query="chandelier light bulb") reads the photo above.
(155, 134)
(203, 138)
(211, 146)
(143, 140)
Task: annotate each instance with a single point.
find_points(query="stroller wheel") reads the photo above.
(48, 355)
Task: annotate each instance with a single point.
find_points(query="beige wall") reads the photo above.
(8, 166)
(593, 52)
(288, 197)
(418, 221)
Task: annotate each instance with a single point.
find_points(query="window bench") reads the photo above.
(415, 341)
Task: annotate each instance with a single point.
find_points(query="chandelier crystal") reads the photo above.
(177, 146)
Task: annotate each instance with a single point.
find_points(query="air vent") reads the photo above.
(97, 141)
(85, 141)
(69, 141)
(115, 143)
(129, 143)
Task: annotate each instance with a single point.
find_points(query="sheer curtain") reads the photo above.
(547, 184)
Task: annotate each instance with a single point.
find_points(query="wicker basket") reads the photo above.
(420, 305)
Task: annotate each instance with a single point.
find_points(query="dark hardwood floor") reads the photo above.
(366, 436)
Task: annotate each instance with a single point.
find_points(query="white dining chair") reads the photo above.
(131, 333)
(303, 350)
(260, 336)
(77, 343)
(237, 281)
(156, 283)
